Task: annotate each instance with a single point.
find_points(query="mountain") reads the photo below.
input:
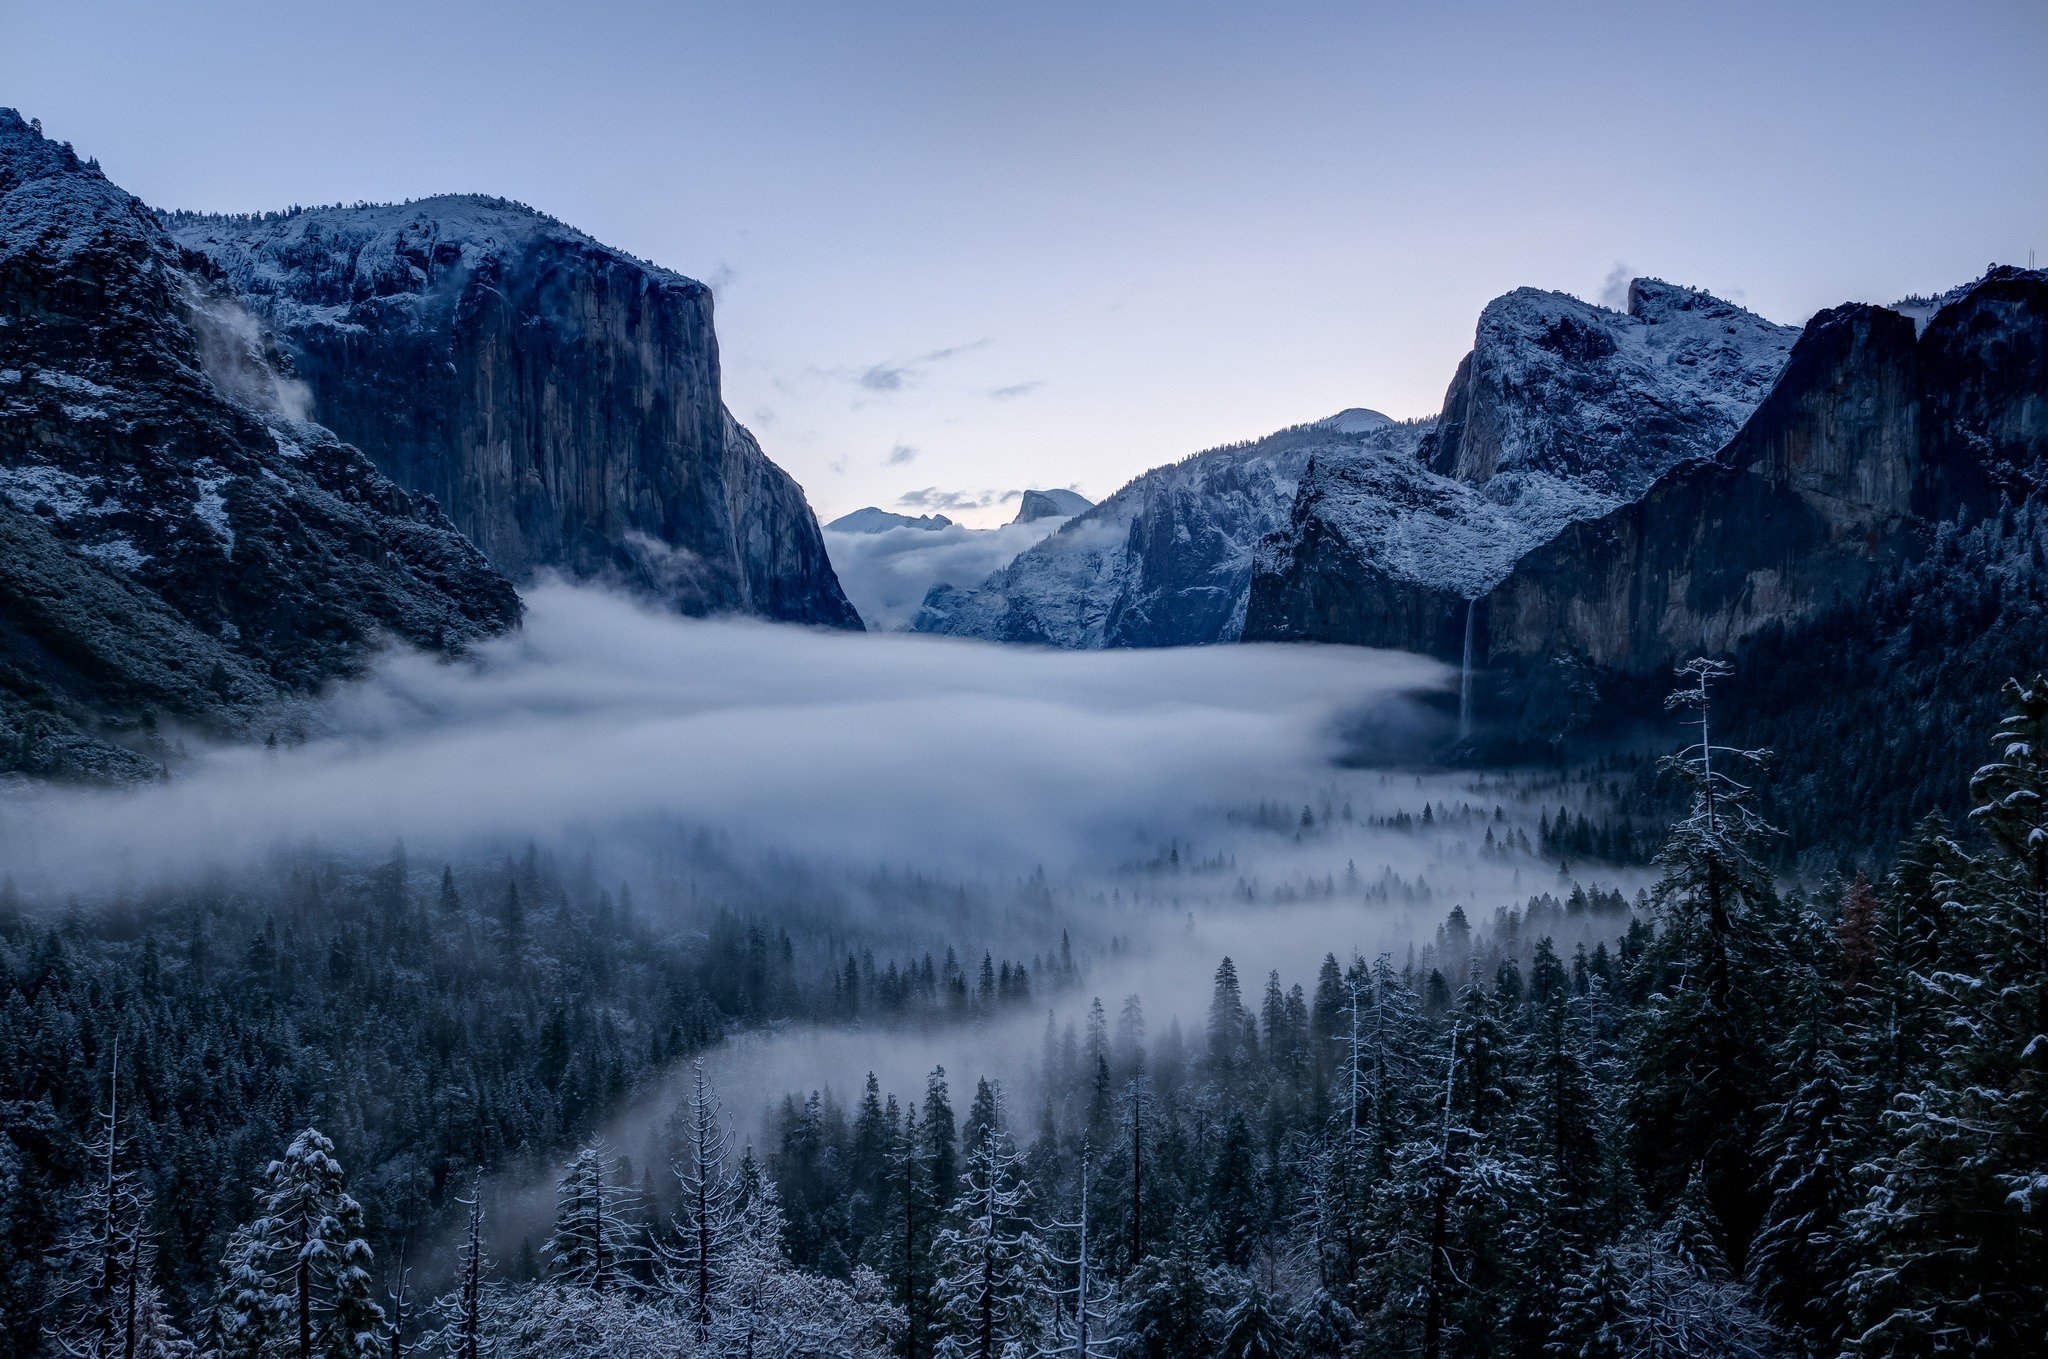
(559, 398)
(872, 520)
(178, 549)
(1577, 584)
(1163, 562)
(1562, 412)
(1873, 439)
(1359, 527)
(1055, 504)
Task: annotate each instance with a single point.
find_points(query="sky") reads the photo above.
(962, 249)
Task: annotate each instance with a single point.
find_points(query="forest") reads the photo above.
(1750, 1119)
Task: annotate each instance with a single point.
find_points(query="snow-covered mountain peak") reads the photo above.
(341, 255)
(1612, 399)
(872, 519)
(1355, 420)
(1057, 503)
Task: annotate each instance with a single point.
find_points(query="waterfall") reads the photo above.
(1465, 674)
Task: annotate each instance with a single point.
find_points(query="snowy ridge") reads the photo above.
(174, 540)
(319, 266)
(869, 519)
(1562, 412)
(1610, 400)
(1165, 560)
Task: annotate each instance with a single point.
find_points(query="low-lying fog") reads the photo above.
(1163, 808)
(934, 754)
(887, 574)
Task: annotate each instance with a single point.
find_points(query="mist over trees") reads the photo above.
(1735, 1116)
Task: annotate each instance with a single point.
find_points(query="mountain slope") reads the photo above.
(561, 399)
(1163, 562)
(175, 547)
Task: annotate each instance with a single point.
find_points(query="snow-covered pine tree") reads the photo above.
(1252, 1328)
(1696, 1105)
(993, 1275)
(1953, 1237)
(692, 1261)
(762, 1306)
(1169, 1305)
(595, 1244)
(297, 1280)
(461, 1314)
(1081, 1327)
(104, 1302)
(1798, 1260)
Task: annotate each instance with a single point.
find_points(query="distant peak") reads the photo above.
(1054, 504)
(873, 519)
(1356, 420)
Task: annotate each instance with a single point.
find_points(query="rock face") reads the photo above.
(561, 399)
(177, 548)
(1871, 438)
(1056, 504)
(1163, 562)
(1562, 412)
(1878, 427)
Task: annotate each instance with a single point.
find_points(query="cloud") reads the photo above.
(1614, 288)
(1014, 390)
(887, 575)
(902, 454)
(893, 375)
(932, 498)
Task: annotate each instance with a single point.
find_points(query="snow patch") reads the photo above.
(116, 552)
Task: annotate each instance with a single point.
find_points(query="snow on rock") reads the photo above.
(1054, 504)
(559, 399)
(1608, 400)
(1163, 562)
(162, 558)
(869, 519)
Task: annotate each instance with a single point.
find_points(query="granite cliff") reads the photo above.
(559, 398)
(179, 549)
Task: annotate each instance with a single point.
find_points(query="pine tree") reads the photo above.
(704, 1232)
(1169, 1308)
(460, 1313)
(1696, 1103)
(104, 1302)
(1800, 1259)
(993, 1272)
(594, 1245)
(1080, 1328)
(298, 1278)
(1252, 1329)
(1954, 1234)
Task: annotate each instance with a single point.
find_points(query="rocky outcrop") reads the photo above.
(1033, 506)
(177, 548)
(561, 399)
(1562, 412)
(1870, 440)
(1559, 388)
